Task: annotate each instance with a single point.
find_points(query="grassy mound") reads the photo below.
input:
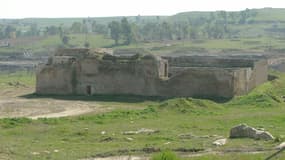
(202, 120)
(269, 94)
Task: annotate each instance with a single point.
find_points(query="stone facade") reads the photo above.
(85, 72)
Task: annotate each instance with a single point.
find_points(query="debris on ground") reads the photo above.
(281, 146)
(107, 139)
(245, 131)
(129, 139)
(16, 84)
(141, 131)
(187, 136)
(35, 153)
(220, 142)
(190, 135)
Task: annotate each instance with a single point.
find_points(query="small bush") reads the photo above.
(279, 138)
(14, 122)
(165, 155)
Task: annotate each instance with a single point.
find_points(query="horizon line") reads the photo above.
(117, 16)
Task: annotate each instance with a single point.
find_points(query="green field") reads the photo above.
(21, 78)
(46, 45)
(82, 136)
(100, 134)
(262, 32)
(243, 45)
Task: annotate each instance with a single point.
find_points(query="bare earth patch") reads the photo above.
(11, 105)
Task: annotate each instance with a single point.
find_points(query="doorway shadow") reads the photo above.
(117, 98)
(99, 98)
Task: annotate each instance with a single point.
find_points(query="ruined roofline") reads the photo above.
(136, 57)
(71, 51)
(221, 57)
(212, 68)
(82, 52)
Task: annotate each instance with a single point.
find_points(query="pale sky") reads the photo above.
(105, 8)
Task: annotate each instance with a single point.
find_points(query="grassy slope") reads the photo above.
(80, 137)
(218, 45)
(264, 14)
(24, 78)
(242, 45)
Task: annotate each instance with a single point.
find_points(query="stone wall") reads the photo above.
(214, 76)
(151, 75)
(200, 82)
(54, 80)
(209, 61)
(119, 76)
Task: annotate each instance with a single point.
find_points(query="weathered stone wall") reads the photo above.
(209, 61)
(243, 74)
(148, 75)
(260, 72)
(117, 76)
(205, 82)
(54, 80)
(76, 52)
(241, 79)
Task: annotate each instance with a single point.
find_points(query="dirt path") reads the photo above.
(184, 155)
(37, 108)
(12, 105)
(68, 112)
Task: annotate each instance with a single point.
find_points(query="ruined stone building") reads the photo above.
(85, 72)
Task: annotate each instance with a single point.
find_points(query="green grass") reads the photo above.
(17, 79)
(80, 137)
(233, 156)
(166, 155)
(47, 44)
(252, 37)
(241, 45)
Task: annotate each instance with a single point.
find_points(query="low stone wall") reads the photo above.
(119, 77)
(54, 80)
(148, 76)
(209, 61)
(201, 82)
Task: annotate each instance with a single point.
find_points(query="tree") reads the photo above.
(93, 26)
(232, 17)
(115, 31)
(126, 31)
(2, 32)
(86, 44)
(150, 31)
(165, 31)
(8, 31)
(52, 30)
(244, 15)
(34, 29)
(194, 32)
(101, 29)
(76, 27)
(65, 39)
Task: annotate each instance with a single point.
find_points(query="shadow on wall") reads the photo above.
(117, 98)
(271, 77)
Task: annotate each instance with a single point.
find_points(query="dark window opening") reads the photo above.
(88, 90)
(165, 70)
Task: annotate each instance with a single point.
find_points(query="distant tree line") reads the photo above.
(215, 25)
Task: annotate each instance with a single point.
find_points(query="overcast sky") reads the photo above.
(104, 8)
